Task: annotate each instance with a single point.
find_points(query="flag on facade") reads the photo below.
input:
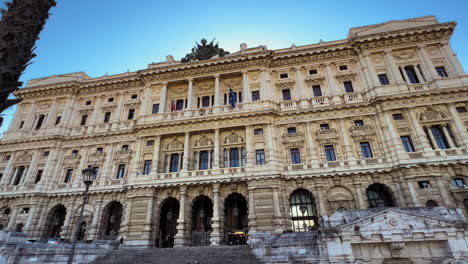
(173, 106)
(232, 98)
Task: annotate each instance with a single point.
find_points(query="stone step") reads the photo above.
(186, 255)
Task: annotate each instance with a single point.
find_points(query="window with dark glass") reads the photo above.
(441, 71)
(110, 100)
(255, 96)
(150, 142)
(155, 109)
(348, 85)
(21, 125)
(57, 120)
(424, 184)
(324, 126)
(19, 174)
(68, 175)
(383, 79)
(174, 162)
(74, 152)
(407, 143)
(461, 109)
(260, 156)
(120, 171)
(39, 122)
(343, 67)
(411, 73)
(358, 123)
(366, 150)
(131, 114)
(295, 156)
(38, 176)
(291, 130)
(84, 118)
(88, 103)
(286, 94)
(439, 137)
(329, 152)
(134, 96)
(96, 172)
(379, 196)
(312, 71)
(205, 101)
(398, 117)
(107, 116)
(303, 212)
(124, 147)
(1, 175)
(46, 153)
(317, 90)
(234, 157)
(258, 131)
(284, 76)
(204, 160)
(458, 182)
(147, 167)
(179, 105)
(99, 150)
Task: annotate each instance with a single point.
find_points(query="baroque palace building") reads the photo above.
(190, 152)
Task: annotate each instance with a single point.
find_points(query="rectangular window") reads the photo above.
(366, 150)
(174, 162)
(46, 153)
(343, 67)
(358, 123)
(204, 160)
(260, 156)
(74, 152)
(383, 79)
(84, 118)
(147, 167)
(96, 172)
(291, 130)
(131, 114)
(317, 90)
(68, 175)
(134, 96)
(407, 143)
(286, 94)
(441, 71)
(1, 175)
(124, 147)
(461, 109)
(88, 103)
(295, 156)
(39, 122)
(284, 76)
(330, 153)
(110, 100)
(107, 116)
(179, 105)
(205, 101)
(313, 71)
(150, 143)
(19, 175)
(234, 160)
(258, 131)
(424, 184)
(155, 109)
(439, 137)
(99, 150)
(255, 96)
(57, 120)
(324, 126)
(458, 182)
(120, 171)
(21, 125)
(411, 73)
(38, 176)
(348, 85)
(398, 117)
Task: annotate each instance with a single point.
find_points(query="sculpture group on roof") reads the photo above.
(204, 51)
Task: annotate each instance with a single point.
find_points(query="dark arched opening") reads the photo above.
(202, 213)
(56, 219)
(19, 227)
(378, 195)
(168, 222)
(303, 212)
(112, 219)
(235, 219)
(431, 203)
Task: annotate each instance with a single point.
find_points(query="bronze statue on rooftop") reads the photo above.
(204, 51)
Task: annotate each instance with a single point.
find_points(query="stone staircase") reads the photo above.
(185, 255)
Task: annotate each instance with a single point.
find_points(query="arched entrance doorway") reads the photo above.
(202, 213)
(55, 221)
(303, 213)
(235, 219)
(378, 195)
(112, 218)
(168, 222)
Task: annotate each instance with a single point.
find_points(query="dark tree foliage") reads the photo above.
(19, 29)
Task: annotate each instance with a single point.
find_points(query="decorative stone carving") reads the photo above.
(72, 160)
(432, 115)
(346, 76)
(204, 51)
(362, 132)
(233, 139)
(97, 157)
(284, 84)
(204, 141)
(175, 145)
(315, 80)
(124, 155)
(405, 55)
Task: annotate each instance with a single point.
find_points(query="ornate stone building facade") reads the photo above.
(189, 153)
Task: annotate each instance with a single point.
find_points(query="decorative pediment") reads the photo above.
(326, 133)
(25, 157)
(97, 157)
(346, 76)
(123, 155)
(405, 55)
(294, 137)
(432, 115)
(72, 159)
(109, 105)
(86, 109)
(133, 102)
(283, 84)
(204, 141)
(233, 139)
(315, 79)
(339, 193)
(360, 131)
(175, 145)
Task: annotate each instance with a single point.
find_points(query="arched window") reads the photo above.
(303, 213)
(379, 196)
(431, 203)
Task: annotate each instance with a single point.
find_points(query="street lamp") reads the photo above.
(89, 175)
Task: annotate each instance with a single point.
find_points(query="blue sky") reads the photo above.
(113, 36)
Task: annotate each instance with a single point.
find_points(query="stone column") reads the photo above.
(94, 228)
(395, 139)
(29, 123)
(185, 161)
(414, 196)
(156, 148)
(50, 116)
(448, 137)
(28, 227)
(149, 223)
(216, 149)
(215, 237)
(313, 158)
(276, 212)
(246, 88)
(190, 94)
(271, 149)
(264, 91)
(421, 135)
(427, 62)
(446, 197)
(97, 109)
(29, 175)
(419, 73)
(146, 101)
(12, 220)
(7, 176)
(252, 217)
(332, 84)
(217, 95)
(249, 151)
(179, 239)
(391, 64)
(128, 212)
(162, 98)
(67, 227)
(323, 209)
(300, 88)
(136, 163)
(360, 201)
(461, 130)
(117, 115)
(432, 139)
(373, 74)
(452, 59)
(346, 142)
